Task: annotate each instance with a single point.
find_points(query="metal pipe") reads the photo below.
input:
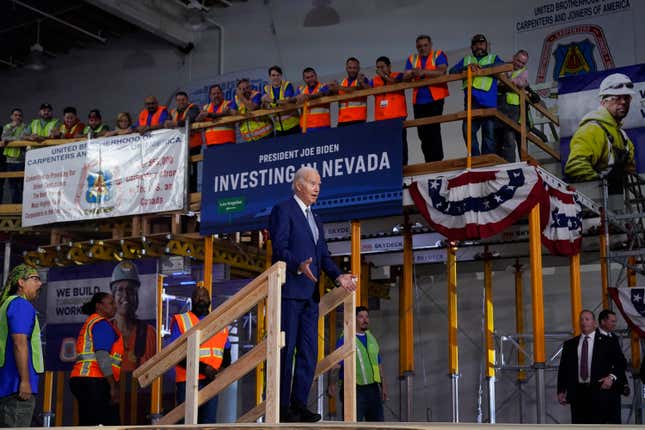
(491, 399)
(490, 330)
(60, 21)
(47, 399)
(469, 118)
(535, 246)
(220, 61)
(519, 315)
(6, 264)
(541, 393)
(454, 389)
(576, 292)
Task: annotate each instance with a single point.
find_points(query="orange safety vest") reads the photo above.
(353, 109)
(317, 116)
(86, 364)
(222, 133)
(439, 91)
(70, 133)
(210, 352)
(195, 136)
(143, 116)
(389, 105)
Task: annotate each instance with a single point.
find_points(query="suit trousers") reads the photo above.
(299, 356)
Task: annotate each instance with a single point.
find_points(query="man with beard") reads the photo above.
(484, 93)
(370, 387)
(45, 126)
(215, 353)
(600, 148)
(318, 116)
(352, 111)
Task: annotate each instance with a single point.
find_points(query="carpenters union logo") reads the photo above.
(99, 187)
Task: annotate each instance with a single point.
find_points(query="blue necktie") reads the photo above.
(312, 224)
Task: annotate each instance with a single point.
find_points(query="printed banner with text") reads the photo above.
(106, 177)
(359, 165)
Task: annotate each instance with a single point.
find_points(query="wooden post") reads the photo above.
(576, 292)
(332, 346)
(453, 347)
(406, 310)
(275, 341)
(259, 370)
(469, 118)
(356, 259)
(364, 281)
(537, 296)
(349, 381)
(157, 389)
(192, 378)
(134, 399)
(490, 324)
(60, 395)
(47, 397)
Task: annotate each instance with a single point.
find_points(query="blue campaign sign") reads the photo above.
(360, 168)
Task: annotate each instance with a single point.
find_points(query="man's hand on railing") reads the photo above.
(475, 67)
(347, 281)
(208, 371)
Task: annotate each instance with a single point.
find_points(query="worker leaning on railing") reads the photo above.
(13, 158)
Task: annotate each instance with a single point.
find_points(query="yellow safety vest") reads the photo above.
(483, 83)
(282, 121)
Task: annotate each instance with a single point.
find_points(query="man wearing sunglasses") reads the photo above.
(600, 148)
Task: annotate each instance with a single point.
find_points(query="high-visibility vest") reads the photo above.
(10, 151)
(483, 83)
(282, 121)
(86, 364)
(36, 347)
(253, 128)
(439, 91)
(317, 116)
(511, 97)
(211, 351)
(389, 105)
(353, 109)
(89, 130)
(41, 130)
(156, 116)
(68, 133)
(222, 133)
(195, 136)
(367, 368)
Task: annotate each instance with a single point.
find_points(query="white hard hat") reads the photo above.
(616, 84)
(125, 271)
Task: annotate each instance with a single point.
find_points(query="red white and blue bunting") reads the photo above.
(631, 303)
(480, 204)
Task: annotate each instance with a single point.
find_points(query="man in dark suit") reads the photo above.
(606, 326)
(590, 365)
(298, 239)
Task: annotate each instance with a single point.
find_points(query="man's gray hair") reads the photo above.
(300, 175)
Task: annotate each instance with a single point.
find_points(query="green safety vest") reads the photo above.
(36, 347)
(511, 97)
(89, 129)
(367, 369)
(41, 130)
(12, 152)
(480, 82)
(283, 121)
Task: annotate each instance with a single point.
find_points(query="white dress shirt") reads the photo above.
(303, 207)
(591, 336)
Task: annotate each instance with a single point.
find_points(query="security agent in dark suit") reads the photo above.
(607, 325)
(298, 239)
(588, 369)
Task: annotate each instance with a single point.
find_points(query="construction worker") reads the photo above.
(370, 387)
(21, 356)
(600, 148)
(72, 126)
(247, 99)
(95, 126)
(316, 117)
(13, 158)
(279, 93)
(186, 111)
(508, 103)
(215, 353)
(352, 111)
(484, 93)
(390, 105)
(152, 117)
(95, 375)
(45, 126)
(428, 101)
(217, 108)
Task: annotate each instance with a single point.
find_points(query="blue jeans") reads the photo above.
(488, 133)
(207, 413)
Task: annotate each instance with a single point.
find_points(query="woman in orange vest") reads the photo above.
(95, 375)
(390, 105)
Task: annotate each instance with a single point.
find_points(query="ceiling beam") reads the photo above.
(158, 23)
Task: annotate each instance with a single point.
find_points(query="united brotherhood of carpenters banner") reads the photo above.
(105, 177)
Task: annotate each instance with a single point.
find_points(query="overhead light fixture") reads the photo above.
(36, 59)
(321, 14)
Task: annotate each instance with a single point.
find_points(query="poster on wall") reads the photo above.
(577, 96)
(133, 285)
(106, 177)
(359, 165)
(566, 38)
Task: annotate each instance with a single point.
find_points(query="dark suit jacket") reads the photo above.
(293, 243)
(606, 358)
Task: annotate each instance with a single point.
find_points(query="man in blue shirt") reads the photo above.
(484, 93)
(21, 357)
